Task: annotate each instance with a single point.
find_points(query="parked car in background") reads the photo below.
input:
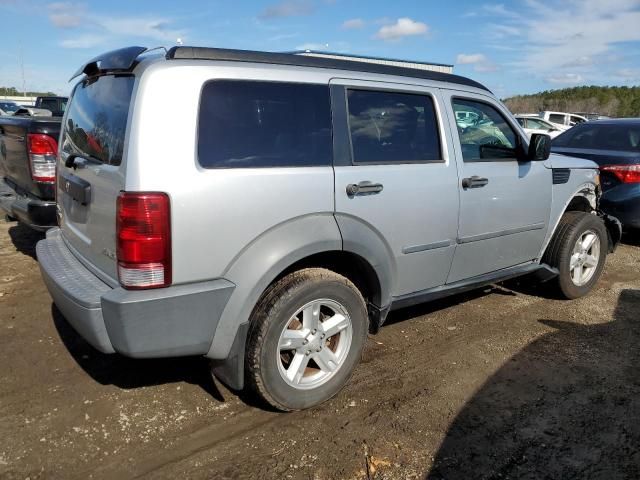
(615, 146)
(297, 201)
(33, 112)
(592, 116)
(28, 149)
(7, 107)
(562, 119)
(466, 119)
(56, 105)
(533, 125)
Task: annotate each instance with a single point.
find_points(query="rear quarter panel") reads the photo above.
(245, 224)
(216, 213)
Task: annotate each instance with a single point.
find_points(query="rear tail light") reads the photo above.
(624, 173)
(42, 157)
(143, 230)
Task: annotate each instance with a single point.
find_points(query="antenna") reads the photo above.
(24, 82)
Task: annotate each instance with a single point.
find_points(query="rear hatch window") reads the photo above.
(94, 130)
(96, 120)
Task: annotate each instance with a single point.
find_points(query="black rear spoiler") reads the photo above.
(121, 60)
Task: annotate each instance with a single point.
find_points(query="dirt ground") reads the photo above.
(498, 383)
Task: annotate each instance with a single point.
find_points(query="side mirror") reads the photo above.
(539, 147)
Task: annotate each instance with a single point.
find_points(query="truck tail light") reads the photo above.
(624, 173)
(143, 230)
(42, 157)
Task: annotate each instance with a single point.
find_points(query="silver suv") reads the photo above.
(268, 210)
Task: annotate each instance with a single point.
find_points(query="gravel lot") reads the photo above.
(498, 383)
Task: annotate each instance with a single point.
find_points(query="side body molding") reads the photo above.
(262, 261)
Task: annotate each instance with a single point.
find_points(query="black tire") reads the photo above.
(272, 314)
(571, 227)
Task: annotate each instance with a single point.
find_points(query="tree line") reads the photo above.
(609, 101)
(14, 92)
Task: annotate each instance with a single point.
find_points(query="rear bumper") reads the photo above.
(623, 202)
(166, 322)
(37, 214)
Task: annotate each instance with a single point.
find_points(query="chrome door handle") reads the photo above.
(474, 182)
(363, 188)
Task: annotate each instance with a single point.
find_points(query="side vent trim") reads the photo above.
(561, 175)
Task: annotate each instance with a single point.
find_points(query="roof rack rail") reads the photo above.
(354, 57)
(223, 54)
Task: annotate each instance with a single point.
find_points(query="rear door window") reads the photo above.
(624, 138)
(96, 119)
(393, 127)
(49, 104)
(583, 138)
(244, 124)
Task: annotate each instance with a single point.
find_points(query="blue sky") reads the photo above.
(518, 46)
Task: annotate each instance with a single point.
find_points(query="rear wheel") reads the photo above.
(306, 338)
(578, 250)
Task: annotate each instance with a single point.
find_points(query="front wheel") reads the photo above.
(578, 250)
(306, 338)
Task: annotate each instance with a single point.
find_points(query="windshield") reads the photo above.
(96, 118)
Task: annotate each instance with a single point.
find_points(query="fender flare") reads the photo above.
(613, 225)
(587, 190)
(253, 270)
(364, 240)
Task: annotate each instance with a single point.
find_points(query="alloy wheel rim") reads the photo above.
(314, 344)
(584, 258)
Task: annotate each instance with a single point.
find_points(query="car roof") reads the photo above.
(127, 59)
(223, 54)
(615, 121)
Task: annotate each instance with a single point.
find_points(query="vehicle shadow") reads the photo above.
(631, 237)
(427, 308)
(130, 373)
(25, 239)
(530, 285)
(564, 407)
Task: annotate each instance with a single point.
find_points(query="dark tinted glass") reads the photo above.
(49, 104)
(603, 137)
(264, 124)
(556, 118)
(483, 131)
(388, 127)
(562, 139)
(96, 121)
